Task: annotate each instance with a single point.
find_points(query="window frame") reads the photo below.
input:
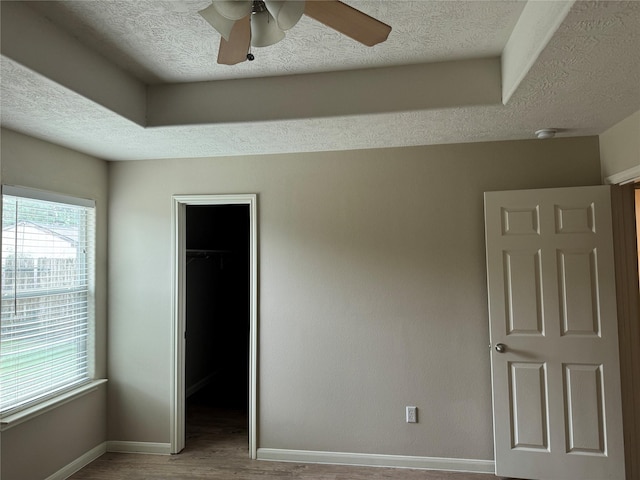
(59, 396)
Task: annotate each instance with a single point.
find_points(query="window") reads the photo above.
(47, 313)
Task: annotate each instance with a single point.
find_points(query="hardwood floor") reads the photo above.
(217, 449)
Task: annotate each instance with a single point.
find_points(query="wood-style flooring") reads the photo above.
(217, 448)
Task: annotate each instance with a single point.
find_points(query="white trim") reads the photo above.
(79, 463)
(178, 393)
(374, 460)
(626, 176)
(46, 196)
(178, 248)
(17, 418)
(149, 448)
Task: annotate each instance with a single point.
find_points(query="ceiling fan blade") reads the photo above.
(349, 21)
(236, 48)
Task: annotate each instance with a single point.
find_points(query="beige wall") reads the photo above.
(372, 290)
(35, 449)
(620, 146)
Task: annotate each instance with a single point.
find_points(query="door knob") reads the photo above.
(501, 348)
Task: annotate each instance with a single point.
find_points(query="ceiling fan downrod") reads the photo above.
(257, 6)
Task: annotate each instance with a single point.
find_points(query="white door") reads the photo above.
(553, 329)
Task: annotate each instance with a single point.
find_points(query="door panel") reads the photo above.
(523, 291)
(577, 273)
(528, 385)
(584, 409)
(556, 383)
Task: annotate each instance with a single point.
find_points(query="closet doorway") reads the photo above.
(215, 320)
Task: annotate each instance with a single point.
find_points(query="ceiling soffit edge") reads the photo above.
(356, 92)
(34, 42)
(535, 28)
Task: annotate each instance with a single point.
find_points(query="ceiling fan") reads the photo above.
(260, 23)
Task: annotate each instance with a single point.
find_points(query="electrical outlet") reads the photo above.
(412, 414)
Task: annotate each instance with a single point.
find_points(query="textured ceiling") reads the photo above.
(585, 79)
(162, 41)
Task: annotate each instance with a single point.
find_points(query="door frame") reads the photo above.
(178, 309)
(625, 249)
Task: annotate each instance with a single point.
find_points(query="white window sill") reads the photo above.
(28, 413)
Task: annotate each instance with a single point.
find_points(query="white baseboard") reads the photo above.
(79, 463)
(297, 456)
(372, 460)
(139, 447)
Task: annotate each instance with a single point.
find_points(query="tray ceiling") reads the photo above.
(167, 41)
(167, 97)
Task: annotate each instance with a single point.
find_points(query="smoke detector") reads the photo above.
(546, 133)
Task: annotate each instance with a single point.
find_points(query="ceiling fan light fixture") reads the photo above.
(286, 13)
(233, 9)
(264, 30)
(261, 23)
(222, 24)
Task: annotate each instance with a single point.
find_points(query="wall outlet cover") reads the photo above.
(412, 414)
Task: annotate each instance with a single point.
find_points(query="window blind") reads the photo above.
(47, 298)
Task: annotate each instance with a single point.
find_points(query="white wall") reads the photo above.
(35, 449)
(620, 146)
(372, 290)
